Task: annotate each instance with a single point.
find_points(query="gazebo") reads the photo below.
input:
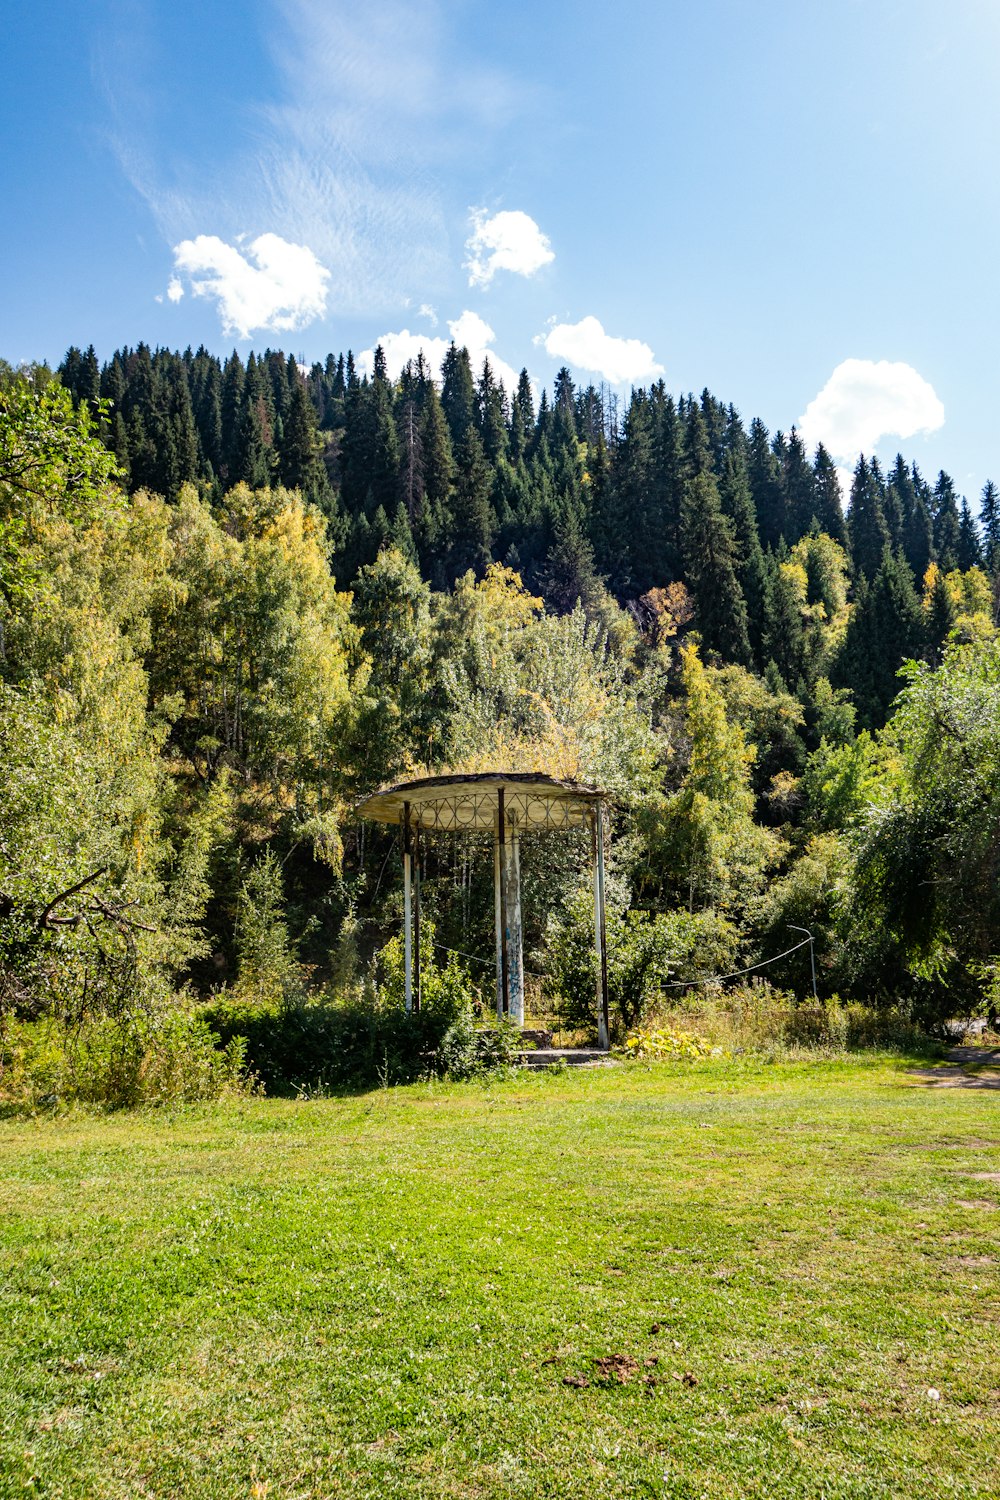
(506, 803)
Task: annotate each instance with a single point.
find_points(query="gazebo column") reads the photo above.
(515, 945)
(416, 916)
(407, 909)
(498, 918)
(510, 955)
(600, 934)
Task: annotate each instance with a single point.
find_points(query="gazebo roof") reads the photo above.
(470, 803)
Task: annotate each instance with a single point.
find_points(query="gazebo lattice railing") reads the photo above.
(506, 803)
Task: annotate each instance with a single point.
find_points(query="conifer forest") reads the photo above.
(235, 597)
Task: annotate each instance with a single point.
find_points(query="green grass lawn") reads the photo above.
(407, 1293)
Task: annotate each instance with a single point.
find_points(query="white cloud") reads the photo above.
(507, 241)
(175, 289)
(427, 311)
(865, 400)
(586, 345)
(285, 288)
(468, 331)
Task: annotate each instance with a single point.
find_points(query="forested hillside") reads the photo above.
(233, 598)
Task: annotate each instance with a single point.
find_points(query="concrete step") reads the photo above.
(573, 1057)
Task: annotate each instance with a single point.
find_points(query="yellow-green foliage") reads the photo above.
(663, 1043)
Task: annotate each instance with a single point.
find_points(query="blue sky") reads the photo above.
(795, 204)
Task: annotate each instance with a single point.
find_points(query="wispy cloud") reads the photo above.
(468, 331)
(276, 286)
(865, 400)
(586, 346)
(506, 241)
(371, 104)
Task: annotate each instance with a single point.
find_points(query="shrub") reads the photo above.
(468, 1050)
(168, 1057)
(354, 1041)
(659, 1042)
(645, 952)
(756, 1017)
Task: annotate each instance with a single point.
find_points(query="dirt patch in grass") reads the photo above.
(945, 1076)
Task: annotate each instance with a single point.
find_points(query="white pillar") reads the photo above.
(407, 911)
(600, 940)
(515, 946)
(497, 916)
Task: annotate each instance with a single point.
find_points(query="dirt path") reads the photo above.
(963, 1068)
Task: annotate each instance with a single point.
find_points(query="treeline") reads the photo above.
(577, 494)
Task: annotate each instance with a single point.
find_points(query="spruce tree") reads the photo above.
(917, 539)
(472, 519)
(569, 575)
(411, 449)
(709, 554)
(231, 404)
(939, 617)
(866, 524)
(438, 475)
(458, 393)
(885, 629)
(302, 468)
(989, 520)
(828, 505)
(751, 572)
(491, 415)
(635, 554)
(383, 485)
(947, 524)
(970, 550)
(798, 482)
(764, 486)
(668, 476)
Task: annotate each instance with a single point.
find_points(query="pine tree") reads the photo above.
(989, 520)
(668, 477)
(458, 393)
(635, 554)
(89, 385)
(886, 628)
(231, 403)
(253, 452)
(438, 477)
(767, 495)
(866, 525)
(472, 519)
(939, 614)
(491, 415)
(947, 525)
(411, 449)
(737, 505)
(569, 575)
(524, 403)
(710, 566)
(798, 482)
(828, 506)
(302, 468)
(970, 550)
(908, 492)
(383, 485)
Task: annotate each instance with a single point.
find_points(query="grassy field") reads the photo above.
(725, 1279)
